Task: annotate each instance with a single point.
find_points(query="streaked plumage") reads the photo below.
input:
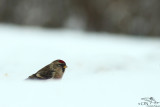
(53, 70)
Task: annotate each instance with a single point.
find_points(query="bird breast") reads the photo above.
(58, 74)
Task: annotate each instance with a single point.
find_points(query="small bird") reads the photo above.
(53, 70)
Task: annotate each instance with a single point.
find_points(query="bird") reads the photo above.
(54, 70)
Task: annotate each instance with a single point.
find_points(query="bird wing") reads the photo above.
(44, 73)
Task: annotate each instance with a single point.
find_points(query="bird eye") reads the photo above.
(58, 65)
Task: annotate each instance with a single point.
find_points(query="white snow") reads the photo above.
(104, 70)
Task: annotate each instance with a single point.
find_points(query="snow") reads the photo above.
(104, 70)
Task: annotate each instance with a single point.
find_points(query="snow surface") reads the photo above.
(104, 70)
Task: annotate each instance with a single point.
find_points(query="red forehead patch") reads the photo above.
(61, 61)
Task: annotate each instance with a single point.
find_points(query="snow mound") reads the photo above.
(104, 70)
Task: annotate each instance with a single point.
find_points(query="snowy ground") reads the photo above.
(104, 70)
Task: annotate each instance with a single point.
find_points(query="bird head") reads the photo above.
(58, 65)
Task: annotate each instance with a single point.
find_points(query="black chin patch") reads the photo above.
(63, 69)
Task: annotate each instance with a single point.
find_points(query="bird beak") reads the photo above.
(65, 66)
